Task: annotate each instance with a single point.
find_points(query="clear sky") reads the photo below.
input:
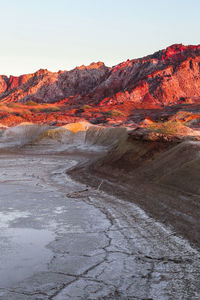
(62, 34)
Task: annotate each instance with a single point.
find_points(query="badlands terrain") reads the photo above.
(155, 87)
(99, 181)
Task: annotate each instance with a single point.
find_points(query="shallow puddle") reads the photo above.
(23, 251)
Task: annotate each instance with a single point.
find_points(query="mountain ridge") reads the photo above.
(156, 79)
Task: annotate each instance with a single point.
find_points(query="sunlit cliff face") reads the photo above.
(179, 51)
(76, 127)
(104, 95)
(91, 66)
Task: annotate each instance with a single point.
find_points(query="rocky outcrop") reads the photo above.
(167, 77)
(45, 86)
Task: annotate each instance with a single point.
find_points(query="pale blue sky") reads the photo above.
(61, 34)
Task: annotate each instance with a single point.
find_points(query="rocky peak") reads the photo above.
(177, 52)
(94, 65)
(167, 77)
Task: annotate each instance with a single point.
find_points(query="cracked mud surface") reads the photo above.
(62, 240)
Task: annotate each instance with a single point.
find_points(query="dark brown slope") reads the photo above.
(160, 175)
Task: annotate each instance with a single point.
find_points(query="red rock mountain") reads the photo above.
(167, 77)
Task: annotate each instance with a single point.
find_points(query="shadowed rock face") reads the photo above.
(167, 77)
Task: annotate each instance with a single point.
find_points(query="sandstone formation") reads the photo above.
(167, 77)
(139, 91)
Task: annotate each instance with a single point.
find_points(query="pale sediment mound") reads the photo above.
(21, 135)
(26, 124)
(3, 126)
(76, 127)
(78, 136)
(84, 134)
(147, 121)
